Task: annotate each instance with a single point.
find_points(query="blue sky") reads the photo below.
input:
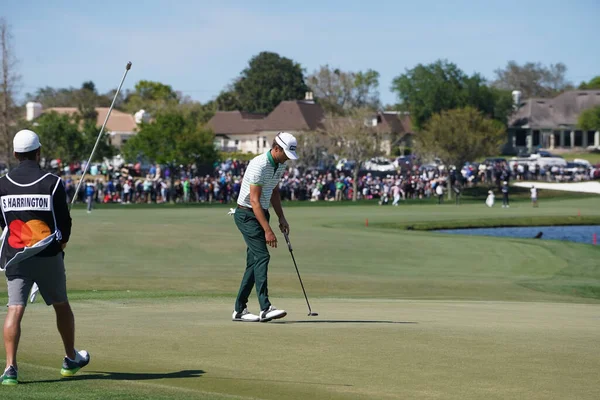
(199, 47)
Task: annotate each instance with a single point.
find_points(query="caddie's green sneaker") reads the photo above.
(10, 376)
(71, 367)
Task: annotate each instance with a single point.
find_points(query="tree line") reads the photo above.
(436, 95)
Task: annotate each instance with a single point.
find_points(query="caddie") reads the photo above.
(260, 189)
(36, 225)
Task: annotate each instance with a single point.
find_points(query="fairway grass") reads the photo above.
(402, 314)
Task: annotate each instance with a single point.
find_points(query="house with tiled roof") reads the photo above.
(254, 133)
(396, 128)
(552, 123)
(120, 126)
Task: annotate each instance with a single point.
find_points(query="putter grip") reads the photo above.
(287, 239)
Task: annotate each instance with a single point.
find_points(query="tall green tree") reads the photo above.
(86, 95)
(460, 135)
(197, 112)
(589, 120)
(89, 133)
(339, 91)
(228, 100)
(87, 100)
(60, 136)
(533, 79)
(429, 89)
(593, 84)
(172, 140)
(151, 96)
(268, 80)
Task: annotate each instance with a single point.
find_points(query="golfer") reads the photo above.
(505, 202)
(260, 188)
(534, 196)
(36, 227)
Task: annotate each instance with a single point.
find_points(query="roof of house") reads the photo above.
(561, 111)
(118, 121)
(235, 122)
(295, 115)
(394, 123)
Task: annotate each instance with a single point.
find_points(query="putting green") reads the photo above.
(354, 349)
(402, 314)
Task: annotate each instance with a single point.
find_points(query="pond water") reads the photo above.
(576, 233)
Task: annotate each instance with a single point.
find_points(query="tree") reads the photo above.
(197, 112)
(89, 136)
(172, 140)
(268, 80)
(227, 100)
(426, 90)
(86, 102)
(351, 137)
(593, 84)
(8, 81)
(73, 97)
(460, 135)
(338, 91)
(589, 120)
(60, 136)
(313, 150)
(533, 79)
(152, 97)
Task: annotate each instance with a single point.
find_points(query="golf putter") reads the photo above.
(287, 239)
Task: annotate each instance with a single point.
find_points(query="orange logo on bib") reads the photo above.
(26, 234)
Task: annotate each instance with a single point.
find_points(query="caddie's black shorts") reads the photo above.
(47, 272)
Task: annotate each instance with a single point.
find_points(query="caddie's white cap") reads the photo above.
(288, 143)
(26, 141)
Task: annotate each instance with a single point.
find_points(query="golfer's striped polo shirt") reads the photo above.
(261, 171)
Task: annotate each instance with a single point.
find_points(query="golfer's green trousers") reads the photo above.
(257, 259)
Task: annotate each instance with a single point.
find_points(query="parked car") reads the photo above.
(404, 161)
(544, 153)
(494, 160)
(380, 164)
(345, 165)
(543, 162)
(574, 168)
(583, 162)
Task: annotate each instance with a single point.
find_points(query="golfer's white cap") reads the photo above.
(26, 141)
(288, 143)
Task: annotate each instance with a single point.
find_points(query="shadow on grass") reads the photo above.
(283, 381)
(124, 376)
(339, 321)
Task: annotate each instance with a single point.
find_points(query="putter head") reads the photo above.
(313, 314)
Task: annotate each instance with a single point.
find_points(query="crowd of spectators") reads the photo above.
(156, 184)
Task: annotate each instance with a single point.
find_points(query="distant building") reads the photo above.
(120, 126)
(254, 133)
(396, 128)
(552, 123)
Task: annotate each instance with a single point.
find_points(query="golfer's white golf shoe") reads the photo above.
(271, 313)
(244, 316)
